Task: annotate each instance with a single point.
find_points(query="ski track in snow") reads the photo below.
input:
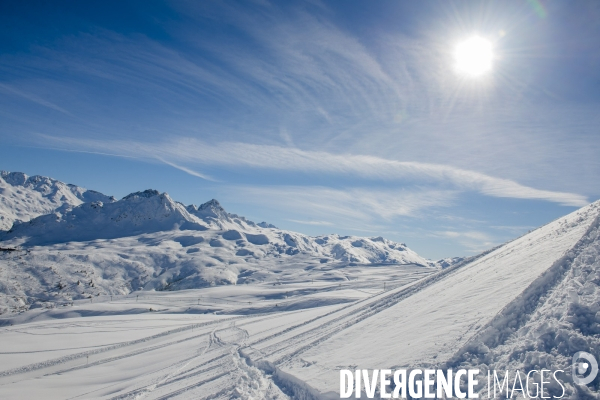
(213, 366)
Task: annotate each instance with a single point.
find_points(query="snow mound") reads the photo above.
(232, 235)
(259, 239)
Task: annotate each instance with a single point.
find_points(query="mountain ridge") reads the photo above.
(24, 197)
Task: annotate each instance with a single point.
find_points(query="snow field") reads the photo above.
(135, 354)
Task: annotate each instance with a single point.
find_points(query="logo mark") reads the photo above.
(584, 363)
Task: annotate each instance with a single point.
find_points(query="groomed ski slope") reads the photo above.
(123, 351)
(427, 328)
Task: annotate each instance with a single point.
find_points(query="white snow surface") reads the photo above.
(551, 320)
(25, 197)
(290, 322)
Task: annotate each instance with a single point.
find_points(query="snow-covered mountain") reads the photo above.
(23, 198)
(149, 241)
(137, 213)
(150, 211)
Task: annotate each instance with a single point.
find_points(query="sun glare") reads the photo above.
(474, 56)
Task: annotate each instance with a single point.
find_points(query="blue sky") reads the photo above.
(321, 117)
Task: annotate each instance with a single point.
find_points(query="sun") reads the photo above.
(474, 56)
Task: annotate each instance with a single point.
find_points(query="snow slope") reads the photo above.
(529, 303)
(424, 326)
(23, 198)
(550, 321)
(172, 260)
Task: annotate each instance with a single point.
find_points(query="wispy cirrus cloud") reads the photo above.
(32, 98)
(367, 167)
(357, 205)
(292, 75)
(292, 69)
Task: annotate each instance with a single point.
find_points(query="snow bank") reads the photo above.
(555, 317)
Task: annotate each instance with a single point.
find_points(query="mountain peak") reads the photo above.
(145, 194)
(211, 204)
(14, 178)
(211, 209)
(266, 225)
(139, 212)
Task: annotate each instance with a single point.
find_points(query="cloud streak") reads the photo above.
(187, 170)
(33, 98)
(244, 155)
(358, 209)
(292, 75)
